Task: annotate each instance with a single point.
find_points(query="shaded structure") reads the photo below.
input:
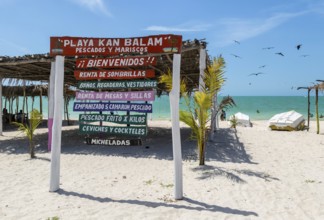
(37, 68)
(316, 87)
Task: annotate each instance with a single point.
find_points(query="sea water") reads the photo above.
(257, 107)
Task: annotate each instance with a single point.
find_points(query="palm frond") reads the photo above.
(227, 102)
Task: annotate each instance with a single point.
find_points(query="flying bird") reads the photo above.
(267, 48)
(281, 54)
(236, 56)
(262, 66)
(304, 55)
(298, 46)
(256, 74)
(237, 42)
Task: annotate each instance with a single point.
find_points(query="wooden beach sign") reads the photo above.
(75, 46)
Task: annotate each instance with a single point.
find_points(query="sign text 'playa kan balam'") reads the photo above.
(72, 46)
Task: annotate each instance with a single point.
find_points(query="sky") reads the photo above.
(248, 34)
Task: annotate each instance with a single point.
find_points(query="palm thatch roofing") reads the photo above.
(37, 67)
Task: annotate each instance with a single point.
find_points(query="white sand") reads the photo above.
(252, 174)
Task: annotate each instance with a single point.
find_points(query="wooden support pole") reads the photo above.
(202, 68)
(24, 101)
(1, 128)
(51, 105)
(176, 139)
(41, 100)
(57, 125)
(317, 117)
(308, 108)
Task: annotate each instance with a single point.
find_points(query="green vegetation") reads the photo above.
(53, 218)
(29, 129)
(202, 110)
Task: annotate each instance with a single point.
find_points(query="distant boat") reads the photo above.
(287, 121)
(241, 119)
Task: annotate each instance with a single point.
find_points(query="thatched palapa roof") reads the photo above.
(37, 67)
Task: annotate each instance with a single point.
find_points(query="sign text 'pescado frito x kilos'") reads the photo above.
(118, 119)
(73, 46)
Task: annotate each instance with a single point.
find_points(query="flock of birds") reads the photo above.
(298, 47)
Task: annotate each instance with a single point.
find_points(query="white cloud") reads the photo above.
(11, 45)
(182, 28)
(94, 6)
(239, 29)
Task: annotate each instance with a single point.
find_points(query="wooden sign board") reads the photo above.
(143, 84)
(116, 96)
(119, 119)
(73, 46)
(128, 131)
(102, 106)
(113, 74)
(118, 62)
(114, 142)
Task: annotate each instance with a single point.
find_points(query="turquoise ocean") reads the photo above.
(257, 107)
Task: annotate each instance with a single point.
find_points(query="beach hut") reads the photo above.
(287, 121)
(241, 119)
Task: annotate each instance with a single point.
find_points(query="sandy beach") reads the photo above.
(253, 173)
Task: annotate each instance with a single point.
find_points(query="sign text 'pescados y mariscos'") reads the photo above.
(71, 46)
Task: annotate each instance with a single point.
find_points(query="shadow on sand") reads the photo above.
(199, 206)
(225, 148)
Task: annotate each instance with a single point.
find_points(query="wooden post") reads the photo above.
(317, 117)
(57, 125)
(24, 99)
(202, 67)
(308, 108)
(1, 129)
(51, 105)
(176, 139)
(41, 100)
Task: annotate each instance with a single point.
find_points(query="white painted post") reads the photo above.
(202, 67)
(51, 105)
(1, 129)
(215, 107)
(57, 124)
(176, 139)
